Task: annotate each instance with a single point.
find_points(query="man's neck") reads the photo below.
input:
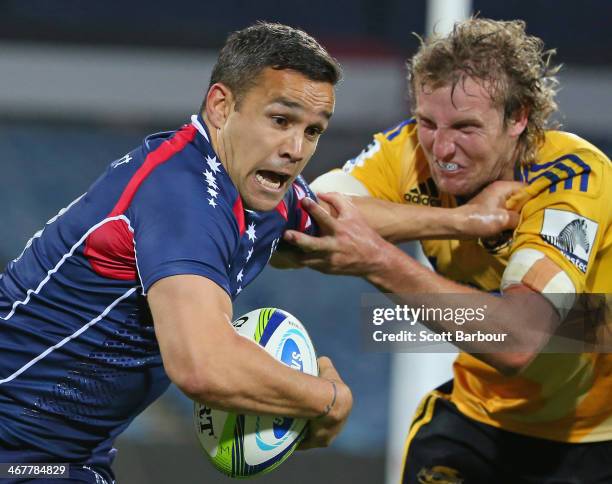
(216, 143)
(212, 133)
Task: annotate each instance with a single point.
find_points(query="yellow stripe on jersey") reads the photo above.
(422, 416)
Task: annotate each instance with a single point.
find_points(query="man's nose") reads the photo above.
(444, 144)
(292, 147)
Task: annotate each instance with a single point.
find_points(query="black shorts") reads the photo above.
(446, 447)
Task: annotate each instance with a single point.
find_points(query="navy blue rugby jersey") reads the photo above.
(78, 354)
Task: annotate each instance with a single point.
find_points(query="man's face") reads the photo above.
(266, 141)
(464, 137)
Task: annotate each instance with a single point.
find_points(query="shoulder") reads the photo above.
(401, 130)
(390, 143)
(178, 180)
(567, 207)
(398, 136)
(565, 162)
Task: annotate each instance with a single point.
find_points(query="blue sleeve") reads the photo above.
(178, 230)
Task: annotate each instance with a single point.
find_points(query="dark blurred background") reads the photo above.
(81, 83)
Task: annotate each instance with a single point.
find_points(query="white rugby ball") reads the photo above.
(248, 445)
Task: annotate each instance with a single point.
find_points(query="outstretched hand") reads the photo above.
(347, 245)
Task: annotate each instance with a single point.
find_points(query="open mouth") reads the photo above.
(270, 179)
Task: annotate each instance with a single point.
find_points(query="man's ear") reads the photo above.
(219, 103)
(518, 122)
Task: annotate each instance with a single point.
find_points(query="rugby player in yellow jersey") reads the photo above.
(482, 98)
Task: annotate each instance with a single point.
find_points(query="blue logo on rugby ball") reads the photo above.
(280, 429)
(281, 426)
(291, 355)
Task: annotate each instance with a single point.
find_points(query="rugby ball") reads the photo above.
(248, 445)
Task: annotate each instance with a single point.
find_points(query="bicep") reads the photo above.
(192, 317)
(542, 313)
(176, 230)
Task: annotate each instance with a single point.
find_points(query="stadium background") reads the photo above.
(82, 82)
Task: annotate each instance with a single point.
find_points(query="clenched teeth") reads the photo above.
(448, 166)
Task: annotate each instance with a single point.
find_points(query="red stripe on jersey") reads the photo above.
(110, 251)
(110, 248)
(282, 209)
(165, 151)
(238, 210)
(304, 219)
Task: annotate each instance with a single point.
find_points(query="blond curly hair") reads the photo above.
(513, 66)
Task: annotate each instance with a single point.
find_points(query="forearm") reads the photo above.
(398, 222)
(526, 318)
(211, 363)
(253, 382)
(485, 216)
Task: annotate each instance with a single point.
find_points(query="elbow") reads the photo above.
(192, 384)
(200, 383)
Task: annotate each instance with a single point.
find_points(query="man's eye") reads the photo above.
(467, 128)
(426, 124)
(314, 132)
(280, 121)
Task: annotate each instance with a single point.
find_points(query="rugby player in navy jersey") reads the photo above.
(130, 287)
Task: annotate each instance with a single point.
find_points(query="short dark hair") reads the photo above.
(249, 51)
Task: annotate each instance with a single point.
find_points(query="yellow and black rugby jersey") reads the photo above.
(563, 244)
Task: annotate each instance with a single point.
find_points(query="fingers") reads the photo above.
(513, 219)
(506, 188)
(316, 437)
(517, 200)
(319, 214)
(285, 259)
(323, 430)
(308, 441)
(327, 369)
(331, 207)
(327, 207)
(497, 194)
(337, 201)
(307, 243)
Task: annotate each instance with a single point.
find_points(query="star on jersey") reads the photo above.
(212, 192)
(126, 159)
(251, 232)
(210, 178)
(250, 253)
(240, 276)
(213, 163)
(211, 201)
(239, 290)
